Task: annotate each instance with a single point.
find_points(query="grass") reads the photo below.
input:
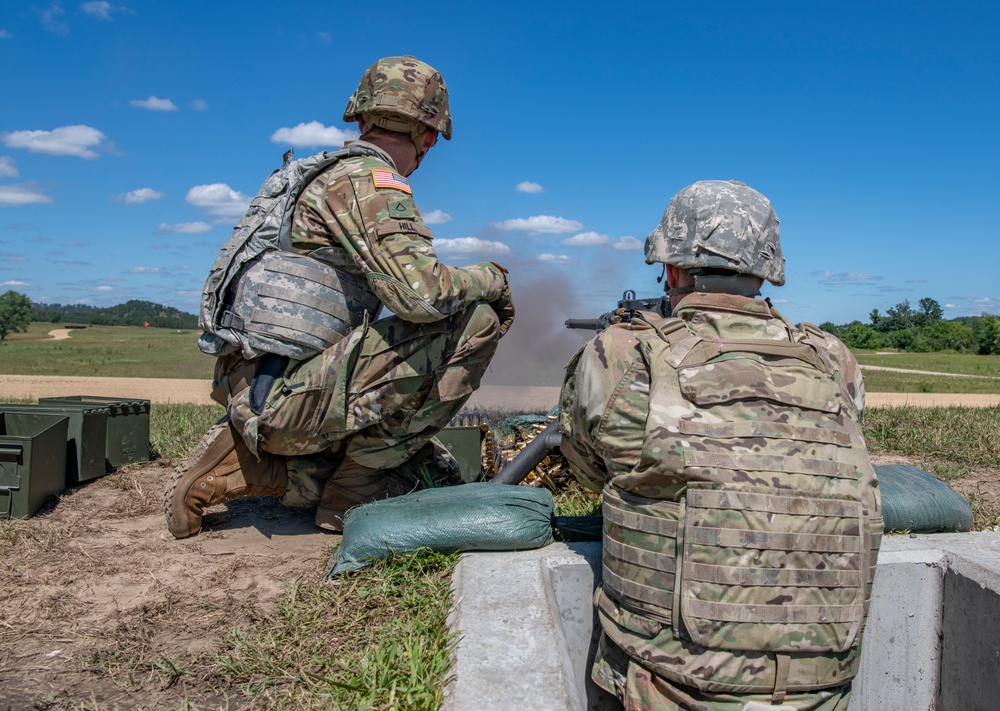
(881, 381)
(985, 368)
(943, 362)
(106, 351)
(375, 639)
(175, 429)
(965, 437)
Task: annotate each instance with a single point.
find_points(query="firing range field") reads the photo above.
(101, 609)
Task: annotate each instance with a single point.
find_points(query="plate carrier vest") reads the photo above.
(261, 297)
(758, 579)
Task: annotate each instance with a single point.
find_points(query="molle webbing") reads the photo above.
(291, 304)
(640, 552)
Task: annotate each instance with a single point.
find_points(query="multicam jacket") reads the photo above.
(742, 518)
(360, 217)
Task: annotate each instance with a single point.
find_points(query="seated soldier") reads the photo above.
(741, 515)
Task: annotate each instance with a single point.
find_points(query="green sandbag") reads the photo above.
(469, 517)
(917, 501)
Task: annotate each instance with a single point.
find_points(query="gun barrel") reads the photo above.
(529, 457)
(587, 324)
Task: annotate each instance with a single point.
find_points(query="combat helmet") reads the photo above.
(719, 225)
(396, 91)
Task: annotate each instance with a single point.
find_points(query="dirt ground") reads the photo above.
(95, 584)
(94, 588)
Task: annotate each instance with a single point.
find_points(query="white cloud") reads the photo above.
(154, 104)
(529, 187)
(471, 245)
(4, 34)
(839, 279)
(975, 305)
(105, 288)
(52, 19)
(218, 200)
(22, 194)
(199, 105)
(555, 259)
(145, 270)
(63, 141)
(16, 284)
(596, 239)
(184, 228)
(541, 223)
(11, 257)
(8, 168)
(587, 239)
(137, 197)
(313, 134)
(100, 9)
(437, 217)
(628, 242)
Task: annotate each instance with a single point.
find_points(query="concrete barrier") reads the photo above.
(528, 628)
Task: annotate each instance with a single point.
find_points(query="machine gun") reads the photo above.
(547, 441)
(623, 313)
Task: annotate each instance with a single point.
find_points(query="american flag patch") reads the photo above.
(388, 179)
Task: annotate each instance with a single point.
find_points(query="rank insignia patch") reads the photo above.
(388, 179)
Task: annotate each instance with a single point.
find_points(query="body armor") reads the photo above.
(757, 579)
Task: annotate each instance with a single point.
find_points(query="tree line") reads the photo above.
(17, 312)
(921, 329)
(134, 312)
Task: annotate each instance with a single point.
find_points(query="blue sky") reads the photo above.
(133, 134)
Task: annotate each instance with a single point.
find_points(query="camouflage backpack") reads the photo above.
(260, 297)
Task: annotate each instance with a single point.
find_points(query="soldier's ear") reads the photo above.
(429, 139)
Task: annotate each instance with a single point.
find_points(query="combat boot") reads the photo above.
(221, 469)
(353, 484)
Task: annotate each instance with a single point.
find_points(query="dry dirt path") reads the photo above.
(164, 390)
(926, 372)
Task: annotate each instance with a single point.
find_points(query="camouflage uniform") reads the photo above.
(634, 428)
(383, 391)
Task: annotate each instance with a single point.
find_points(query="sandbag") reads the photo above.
(469, 517)
(917, 501)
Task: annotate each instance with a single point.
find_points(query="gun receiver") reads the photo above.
(627, 307)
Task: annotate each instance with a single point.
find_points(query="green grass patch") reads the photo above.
(175, 429)
(942, 362)
(881, 381)
(962, 436)
(374, 639)
(106, 351)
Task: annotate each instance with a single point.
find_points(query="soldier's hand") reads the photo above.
(503, 306)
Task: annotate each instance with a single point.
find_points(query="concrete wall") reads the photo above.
(932, 640)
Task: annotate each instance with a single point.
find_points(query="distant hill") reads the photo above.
(131, 313)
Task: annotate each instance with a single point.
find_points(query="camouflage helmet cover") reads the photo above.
(720, 224)
(405, 87)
